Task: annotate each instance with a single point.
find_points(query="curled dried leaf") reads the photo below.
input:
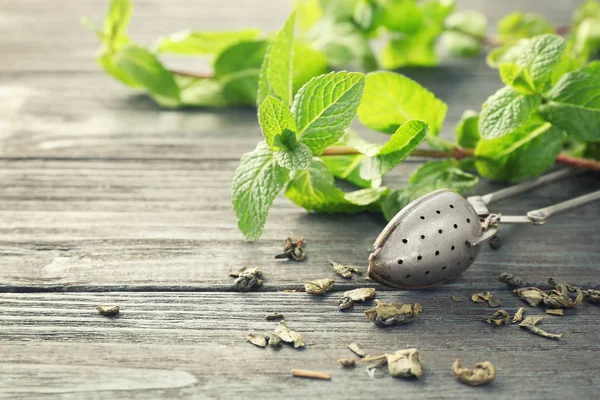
(530, 323)
(257, 339)
(405, 363)
(388, 314)
(108, 311)
(274, 316)
(486, 297)
(555, 311)
(511, 280)
(518, 315)
(483, 373)
(559, 296)
(288, 335)
(356, 295)
(347, 362)
(345, 271)
(274, 340)
(532, 295)
(357, 350)
(292, 250)
(500, 317)
(592, 295)
(248, 280)
(318, 287)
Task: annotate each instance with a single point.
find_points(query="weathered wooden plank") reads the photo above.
(60, 338)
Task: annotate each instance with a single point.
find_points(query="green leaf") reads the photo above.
(203, 43)
(314, 189)
(467, 129)
(391, 99)
(519, 25)
(347, 167)
(540, 57)
(574, 104)
(307, 63)
(238, 69)
(325, 106)
(517, 77)
(275, 117)
(197, 92)
(433, 175)
(363, 14)
(257, 181)
(144, 68)
(403, 16)
(416, 50)
(116, 22)
(470, 23)
(460, 44)
(505, 111)
(308, 12)
(587, 9)
(276, 77)
(507, 53)
(298, 157)
(525, 153)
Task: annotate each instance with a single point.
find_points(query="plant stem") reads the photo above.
(192, 74)
(460, 153)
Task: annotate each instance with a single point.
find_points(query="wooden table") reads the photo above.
(107, 199)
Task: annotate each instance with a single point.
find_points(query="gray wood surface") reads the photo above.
(106, 198)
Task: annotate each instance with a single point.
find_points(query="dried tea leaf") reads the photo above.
(379, 363)
(518, 316)
(483, 373)
(345, 270)
(500, 317)
(388, 314)
(555, 311)
(318, 287)
(457, 299)
(347, 362)
(274, 341)
(248, 280)
(532, 295)
(108, 311)
(495, 243)
(559, 296)
(357, 350)
(292, 251)
(254, 271)
(511, 280)
(486, 297)
(257, 339)
(405, 363)
(530, 323)
(592, 295)
(356, 295)
(274, 316)
(288, 335)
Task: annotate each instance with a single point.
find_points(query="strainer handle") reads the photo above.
(540, 216)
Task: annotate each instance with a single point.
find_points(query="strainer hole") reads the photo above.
(437, 253)
(422, 217)
(451, 206)
(455, 226)
(440, 231)
(422, 236)
(452, 248)
(408, 276)
(419, 258)
(438, 212)
(468, 220)
(400, 261)
(404, 240)
(443, 268)
(426, 272)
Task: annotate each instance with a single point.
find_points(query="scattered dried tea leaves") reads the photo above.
(345, 271)
(388, 314)
(356, 296)
(274, 340)
(347, 362)
(288, 335)
(486, 297)
(559, 296)
(292, 251)
(318, 287)
(108, 311)
(483, 373)
(500, 317)
(511, 280)
(304, 373)
(247, 279)
(532, 295)
(495, 243)
(405, 363)
(592, 295)
(274, 316)
(518, 315)
(555, 311)
(457, 299)
(257, 339)
(530, 323)
(357, 350)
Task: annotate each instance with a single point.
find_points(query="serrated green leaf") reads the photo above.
(519, 25)
(347, 167)
(467, 129)
(203, 43)
(276, 75)
(314, 189)
(391, 99)
(540, 56)
(297, 158)
(307, 63)
(403, 16)
(325, 106)
(275, 117)
(460, 44)
(579, 122)
(257, 181)
(517, 77)
(505, 111)
(507, 53)
(526, 153)
(144, 68)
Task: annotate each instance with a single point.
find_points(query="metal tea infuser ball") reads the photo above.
(438, 235)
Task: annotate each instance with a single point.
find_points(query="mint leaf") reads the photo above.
(471, 23)
(460, 44)
(314, 189)
(391, 99)
(417, 49)
(144, 68)
(519, 25)
(347, 167)
(574, 104)
(196, 92)
(276, 70)
(257, 181)
(403, 16)
(203, 43)
(467, 129)
(116, 22)
(540, 56)
(526, 153)
(296, 158)
(505, 111)
(517, 77)
(325, 106)
(307, 63)
(507, 53)
(275, 117)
